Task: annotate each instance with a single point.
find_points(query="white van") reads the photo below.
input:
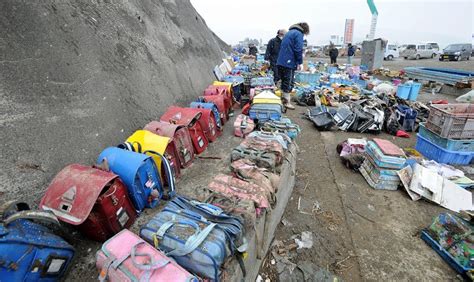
(420, 51)
(391, 52)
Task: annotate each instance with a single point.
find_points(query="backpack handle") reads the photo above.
(44, 216)
(11, 211)
(168, 173)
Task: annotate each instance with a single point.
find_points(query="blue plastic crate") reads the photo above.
(425, 236)
(440, 155)
(414, 91)
(362, 83)
(307, 77)
(445, 143)
(403, 91)
(332, 70)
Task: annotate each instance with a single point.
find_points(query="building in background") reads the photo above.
(349, 31)
(336, 39)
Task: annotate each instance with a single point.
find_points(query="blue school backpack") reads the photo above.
(139, 173)
(29, 251)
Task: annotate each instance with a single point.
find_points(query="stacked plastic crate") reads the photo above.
(383, 160)
(448, 134)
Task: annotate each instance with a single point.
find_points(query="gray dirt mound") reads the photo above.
(78, 76)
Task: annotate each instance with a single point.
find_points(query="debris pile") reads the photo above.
(351, 100)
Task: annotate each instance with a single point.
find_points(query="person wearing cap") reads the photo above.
(271, 54)
(290, 59)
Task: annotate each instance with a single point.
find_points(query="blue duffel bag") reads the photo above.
(28, 250)
(231, 225)
(195, 243)
(264, 112)
(139, 173)
(210, 106)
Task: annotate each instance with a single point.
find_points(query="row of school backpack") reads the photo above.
(105, 199)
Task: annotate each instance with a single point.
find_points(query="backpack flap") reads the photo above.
(74, 191)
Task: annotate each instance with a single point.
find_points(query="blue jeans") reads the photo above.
(287, 78)
(349, 60)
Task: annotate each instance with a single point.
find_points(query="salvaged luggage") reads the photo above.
(196, 244)
(189, 118)
(243, 125)
(220, 90)
(140, 175)
(379, 178)
(227, 84)
(284, 125)
(229, 185)
(127, 257)
(180, 139)
(157, 147)
(231, 225)
(28, 250)
(321, 116)
(266, 97)
(220, 104)
(261, 82)
(208, 124)
(281, 138)
(261, 158)
(94, 200)
(270, 146)
(212, 107)
(249, 171)
(242, 208)
(265, 112)
(384, 160)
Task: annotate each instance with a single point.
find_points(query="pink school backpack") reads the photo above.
(126, 257)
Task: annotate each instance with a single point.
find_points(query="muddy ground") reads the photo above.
(359, 233)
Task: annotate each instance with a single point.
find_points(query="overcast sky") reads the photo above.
(401, 21)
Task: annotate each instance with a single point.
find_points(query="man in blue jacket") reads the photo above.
(271, 54)
(350, 53)
(290, 58)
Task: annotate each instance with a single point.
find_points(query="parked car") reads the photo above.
(434, 47)
(391, 52)
(456, 52)
(419, 51)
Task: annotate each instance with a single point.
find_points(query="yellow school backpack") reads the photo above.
(266, 97)
(143, 140)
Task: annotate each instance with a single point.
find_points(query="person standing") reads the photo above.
(271, 54)
(333, 53)
(253, 50)
(290, 58)
(350, 53)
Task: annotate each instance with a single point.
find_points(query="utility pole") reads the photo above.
(373, 24)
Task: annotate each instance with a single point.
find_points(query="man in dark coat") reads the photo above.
(333, 53)
(271, 55)
(253, 50)
(290, 58)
